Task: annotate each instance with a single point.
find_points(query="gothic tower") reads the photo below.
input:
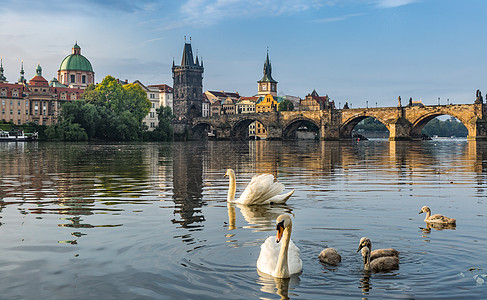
(267, 85)
(188, 86)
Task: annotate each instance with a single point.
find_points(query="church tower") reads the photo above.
(188, 86)
(267, 85)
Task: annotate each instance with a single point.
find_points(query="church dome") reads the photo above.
(76, 61)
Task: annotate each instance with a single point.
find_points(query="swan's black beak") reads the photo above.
(420, 212)
(360, 247)
(280, 230)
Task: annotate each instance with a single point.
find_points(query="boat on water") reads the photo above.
(16, 136)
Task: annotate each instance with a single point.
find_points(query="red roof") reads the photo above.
(38, 81)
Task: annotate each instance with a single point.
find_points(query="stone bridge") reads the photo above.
(403, 123)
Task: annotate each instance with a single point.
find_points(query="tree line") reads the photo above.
(443, 128)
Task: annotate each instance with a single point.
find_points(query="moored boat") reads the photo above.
(16, 136)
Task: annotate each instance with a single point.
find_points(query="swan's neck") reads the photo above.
(367, 261)
(428, 214)
(282, 268)
(231, 187)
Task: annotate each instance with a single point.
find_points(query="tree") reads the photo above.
(108, 111)
(286, 105)
(163, 131)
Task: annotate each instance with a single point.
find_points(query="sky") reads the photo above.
(366, 52)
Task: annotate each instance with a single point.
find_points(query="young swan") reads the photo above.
(365, 242)
(280, 259)
(261, 190)
(380, 264)
(435, 218)
(330, 256)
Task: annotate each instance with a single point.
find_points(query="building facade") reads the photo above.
(165, 95)
(152, 119)
(313, 101)
(188, 86)
(34, 101)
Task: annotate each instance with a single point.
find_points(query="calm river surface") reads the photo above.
(150, 221)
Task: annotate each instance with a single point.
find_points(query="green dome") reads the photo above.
(76, 62)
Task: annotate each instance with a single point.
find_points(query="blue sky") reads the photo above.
(355, 50)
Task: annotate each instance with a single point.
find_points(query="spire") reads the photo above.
(2, 77)
(187, 59)
(267, 70)
(196, 60)
(22, 79)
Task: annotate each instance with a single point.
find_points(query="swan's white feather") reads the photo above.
(269, 253)
(263, 190)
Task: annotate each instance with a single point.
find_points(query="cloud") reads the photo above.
(337, 19)
(393, 3)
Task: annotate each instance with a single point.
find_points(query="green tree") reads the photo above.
(286, 105)
(163, 131)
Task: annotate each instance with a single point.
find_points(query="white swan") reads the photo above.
(380, 264)
(436, 218)
(261, 190)
(280, 259)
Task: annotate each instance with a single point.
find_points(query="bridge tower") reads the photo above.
(187, 89)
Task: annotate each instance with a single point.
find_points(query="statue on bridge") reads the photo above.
(346, 106)
(410, 101)
(399, 101)
(479, 99)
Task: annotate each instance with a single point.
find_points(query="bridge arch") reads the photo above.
(420, 122)
(349, 124)
(240, 130)
(291, 127)
(200, 130)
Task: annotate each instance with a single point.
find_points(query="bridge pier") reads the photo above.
(477, 129)
(399, 130)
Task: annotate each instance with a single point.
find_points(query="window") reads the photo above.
(11, 111)
(26, 112)
(83, 79)
(19, 112)
(18, 103)
(15, 93)
(72, 78)
(3, 111)
(3, 93)
(3, 102)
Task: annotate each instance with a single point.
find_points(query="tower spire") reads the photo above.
(2, 77)
(22, 79)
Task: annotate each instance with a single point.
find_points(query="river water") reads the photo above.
(150, 221)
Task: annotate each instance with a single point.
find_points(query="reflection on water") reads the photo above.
(151, 220)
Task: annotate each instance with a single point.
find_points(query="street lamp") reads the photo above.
(367, 103)
(438, 100)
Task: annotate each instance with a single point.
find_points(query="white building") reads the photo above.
(165, 94)
(152, 119)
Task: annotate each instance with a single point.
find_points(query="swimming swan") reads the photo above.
(261, 190)
(379, 264)
(280, 259)
(365, 242)
(435, 218)
(330, 256)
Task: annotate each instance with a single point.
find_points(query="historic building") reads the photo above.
(76, 70)
(267, 85)
(152, 119)
(165, 94)
(188, 86)
(313, 101)
(34, 100)
(222, 96)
